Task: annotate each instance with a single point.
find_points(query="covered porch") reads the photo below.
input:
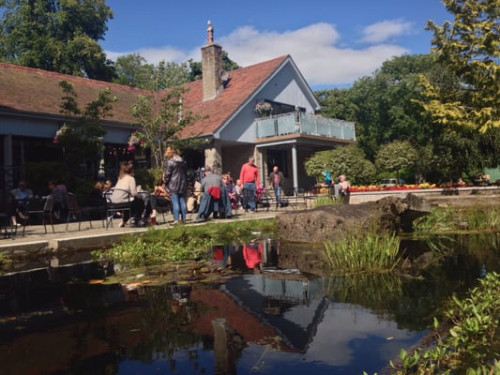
(288, 140)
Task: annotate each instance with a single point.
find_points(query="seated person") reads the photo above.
(96, 196)
(159, 198)
(9, 204)
(57, 195)
(215, 198)
(108, 184)
(126, 191)
(22, 192)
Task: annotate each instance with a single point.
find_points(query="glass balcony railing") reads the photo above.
(290, 123)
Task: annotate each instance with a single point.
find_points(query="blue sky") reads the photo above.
(333, 42)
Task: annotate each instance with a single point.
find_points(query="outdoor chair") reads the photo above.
(74, 210)
(40, 207)
(9, 230)
(113, 208)
(266, 200)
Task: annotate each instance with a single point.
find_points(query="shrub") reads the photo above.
(472, 343)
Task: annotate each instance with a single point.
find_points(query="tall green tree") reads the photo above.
(383, 105)
(133, 70)
(470, 49)
(159, 127)
(396, 156)
(56, 35)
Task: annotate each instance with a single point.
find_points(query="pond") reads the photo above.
(63, 319)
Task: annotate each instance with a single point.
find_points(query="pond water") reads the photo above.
(61, 319)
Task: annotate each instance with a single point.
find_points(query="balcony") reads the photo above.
(306, 124)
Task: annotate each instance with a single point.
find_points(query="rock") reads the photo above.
(334, 221)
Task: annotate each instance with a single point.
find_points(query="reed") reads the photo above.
(324, 201)
(363, 252)
(448, 219)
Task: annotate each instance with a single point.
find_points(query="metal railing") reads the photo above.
(292, 123)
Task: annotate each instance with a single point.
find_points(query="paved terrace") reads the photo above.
(36, 240)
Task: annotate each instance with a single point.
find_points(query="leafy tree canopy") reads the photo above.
(133, 70)
(347, 160)
(81, 135)
(157, 128)
(60, 36)
(395, 156)
(470, 49)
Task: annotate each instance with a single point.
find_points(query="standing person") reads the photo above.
(327, 176)
(126, 191)
(175, 180)
(276, 181)
(249, 180)
(344, 189)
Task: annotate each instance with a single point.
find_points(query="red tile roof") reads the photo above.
(243, 83)
(35, 91)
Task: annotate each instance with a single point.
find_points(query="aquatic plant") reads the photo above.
(181, 242)
(363, 252)
(448, 219)
(472, 343)
(324, 200)
(4, 261)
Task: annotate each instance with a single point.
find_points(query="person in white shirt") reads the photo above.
(125, 191)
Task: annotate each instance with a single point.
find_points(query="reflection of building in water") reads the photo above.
(288, 301)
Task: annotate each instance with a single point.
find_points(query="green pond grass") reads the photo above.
(182, 242)
(363, 252)
(459, 219)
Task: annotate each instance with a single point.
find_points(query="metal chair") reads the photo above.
(74, 209)
(9, 230)
(114, 207)
(41, 207)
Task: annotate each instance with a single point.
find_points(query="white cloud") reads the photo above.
(315, 49)
(382, 31)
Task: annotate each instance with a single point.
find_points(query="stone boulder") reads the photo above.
(333, 221)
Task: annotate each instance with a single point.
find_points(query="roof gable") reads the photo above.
(36, 91)
(243, 83)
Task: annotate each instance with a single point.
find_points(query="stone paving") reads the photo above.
(35, 238)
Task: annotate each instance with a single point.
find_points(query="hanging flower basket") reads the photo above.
(263, 108)
(61, 132)
(135, 140)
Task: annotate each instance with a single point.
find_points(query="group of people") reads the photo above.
(170, 190)
(213, 193)
(341, 188)
(15, 202)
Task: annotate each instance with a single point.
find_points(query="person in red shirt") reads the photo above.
(249, 180)
(252, 253)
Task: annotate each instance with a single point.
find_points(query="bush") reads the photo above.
(471, 345)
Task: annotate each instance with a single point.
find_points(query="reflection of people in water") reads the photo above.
(252, 252)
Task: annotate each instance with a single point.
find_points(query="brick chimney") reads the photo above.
(211, 66)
